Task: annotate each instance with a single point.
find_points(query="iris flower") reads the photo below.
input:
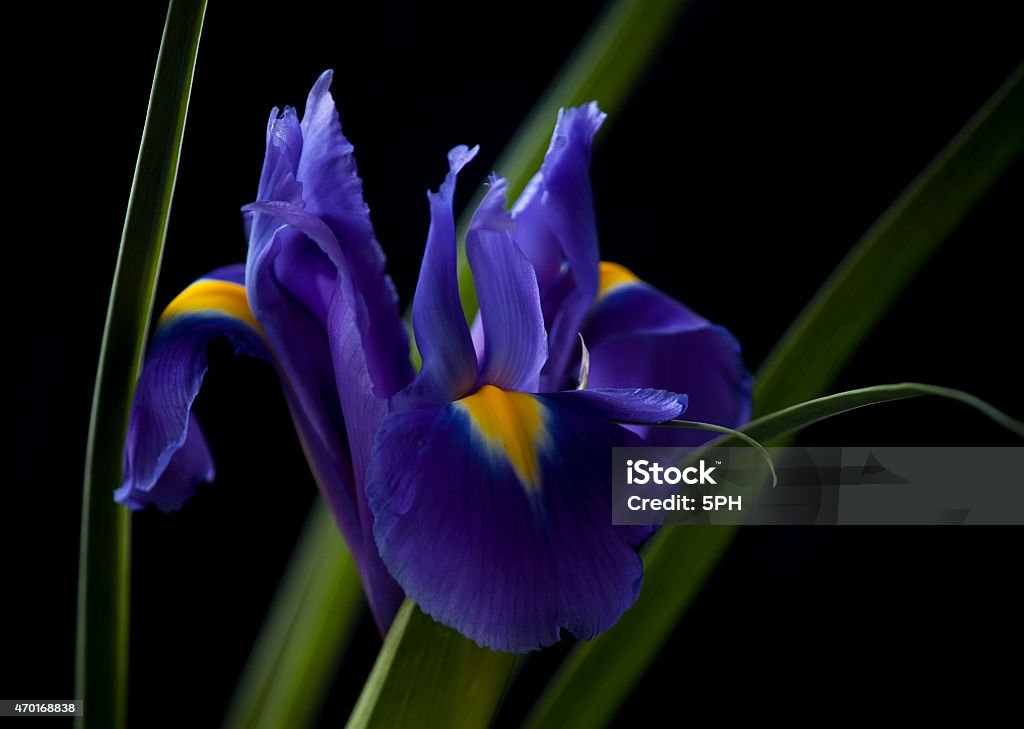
(479, 486)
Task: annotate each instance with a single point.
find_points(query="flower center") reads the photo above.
(512, 426)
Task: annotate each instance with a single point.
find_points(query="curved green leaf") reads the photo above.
(722, 430)
(598, 675)
(101, 660)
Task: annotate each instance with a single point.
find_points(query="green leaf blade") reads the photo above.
(429, 676)
(101, 673)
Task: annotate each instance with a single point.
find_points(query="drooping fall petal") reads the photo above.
(494, 512)
(166, 457)
(639, 336)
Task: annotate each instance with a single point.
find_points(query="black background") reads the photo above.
(766, 139)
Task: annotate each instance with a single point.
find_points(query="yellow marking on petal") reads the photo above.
(206, 295)
(511, 423)
(613, 275)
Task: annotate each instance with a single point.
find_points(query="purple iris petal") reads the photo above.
(290, 282)
(333, 192)
(568, 204)
(316, 281)
(277, 179)
(189, 465)
(508, 563)
(533, 235)
(634, 405)
(515, 343)
(165, 455)
(363, 413)
(640, 337)
(449, 361)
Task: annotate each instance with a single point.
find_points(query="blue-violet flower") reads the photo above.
(479, 486)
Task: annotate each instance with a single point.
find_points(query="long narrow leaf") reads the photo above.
(101, 662)
(596, 677)
(616, 52)
(429, 676)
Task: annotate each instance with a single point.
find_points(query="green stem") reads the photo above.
(101, 661)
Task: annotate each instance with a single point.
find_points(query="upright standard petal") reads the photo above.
(533, 235)
(290, 277)
(333, 192)
(449, 361)
(641, 337)
(568, 206)
(493, 513)
(316, 281)
(165, 455)
(515, 343)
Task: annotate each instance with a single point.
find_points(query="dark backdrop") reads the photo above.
(766, 139)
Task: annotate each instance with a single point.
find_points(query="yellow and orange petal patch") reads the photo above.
(512, 425)
(613, 275)
(208, 295)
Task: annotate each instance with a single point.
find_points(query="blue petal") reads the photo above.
(568, 206)
(316, 281)
(277, 180)
(294, 288)
(333, 192)
(363, 413)
(639, 336)
(189, 465)
(449, 361)
(165, 455)
(630, 404)
(495, 515)
(533, 235)
(515, 342)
